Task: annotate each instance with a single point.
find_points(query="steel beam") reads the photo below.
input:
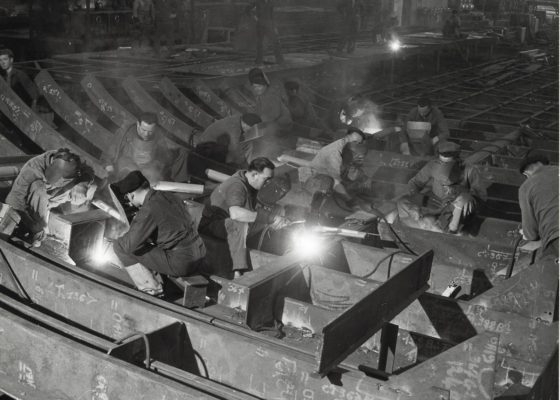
(184, 104)
(350, 330)
(38, 130)
(106, 103)
(139, 96)
(70, 112)
(211, 99)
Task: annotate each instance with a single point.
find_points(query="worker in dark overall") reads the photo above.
(423, 127)
(452, 26)
(454, 191)
(18, 80)
(266, 28)
(231, 133)
(538, 199)
(162, 235)
(142, 147)
(166, 12)
(45, 182)
(351, 14)
(233, 213)
(143, 17)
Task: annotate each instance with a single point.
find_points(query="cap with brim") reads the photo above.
(448, 148)
(133, 181)
(258, 77)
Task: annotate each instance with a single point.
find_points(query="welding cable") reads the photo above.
(379, 214)
(389, 256)
(509, 271)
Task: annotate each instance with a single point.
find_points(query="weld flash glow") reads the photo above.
(308, 243)
(395, 45)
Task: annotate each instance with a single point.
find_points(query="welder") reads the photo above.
(230, 133)
(454, 191)
(268, 103)
(233, 212)
(423, 127)
(45, 182)
(303, 114)
(142, 147)
(162, 235)
(538, 199)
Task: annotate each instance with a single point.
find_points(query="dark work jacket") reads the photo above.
(21, 84)
(162, 220)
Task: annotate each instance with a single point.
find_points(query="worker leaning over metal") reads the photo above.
(538, 199)
(162, 235)
(45, 182)
(234, 213)
(454, 190)
(329, 161)
(143, 147)
(422, 128)
(233, 133)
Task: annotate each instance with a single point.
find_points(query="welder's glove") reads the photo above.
(466, 202)
(279, 222)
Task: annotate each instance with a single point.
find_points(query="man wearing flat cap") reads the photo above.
(538, 199)
(268, 103)
(162, 236)
(234, 133)
(423, 127)
(454, 190)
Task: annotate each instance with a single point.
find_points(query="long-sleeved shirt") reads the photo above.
(447, 183)
(163, 220)
(329, 159)
(131, 153)
(228, 131)
(31, 189)
(19, 80)
(439, 128)
(270, 107)
(538, 199)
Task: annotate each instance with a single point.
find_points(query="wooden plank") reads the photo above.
(350, 330)
(184, 104)
(115, 311)
(38, 130)
(168, 121)
(211, 99)
(77, 118)
(106, 103)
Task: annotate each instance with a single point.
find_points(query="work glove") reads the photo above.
(279, 222)
(466, 202)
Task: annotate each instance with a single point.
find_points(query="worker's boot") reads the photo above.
(144, 279)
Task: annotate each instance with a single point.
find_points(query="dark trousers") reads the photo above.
(183, 260)
(549, 252)
(268, 30)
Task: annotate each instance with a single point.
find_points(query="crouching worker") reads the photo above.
(45, 182)
(162, 235)
(453, 195)
(233, 213)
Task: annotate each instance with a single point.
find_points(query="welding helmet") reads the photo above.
(319, 183)
(64, 165)
(274, 190)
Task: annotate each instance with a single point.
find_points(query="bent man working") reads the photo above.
(454, 190)
(162, 236)
(538, 199)
(45, 182)
(233, 213)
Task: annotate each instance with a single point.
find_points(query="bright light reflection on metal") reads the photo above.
(101, 254)
(395, 45)
(308, 243)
